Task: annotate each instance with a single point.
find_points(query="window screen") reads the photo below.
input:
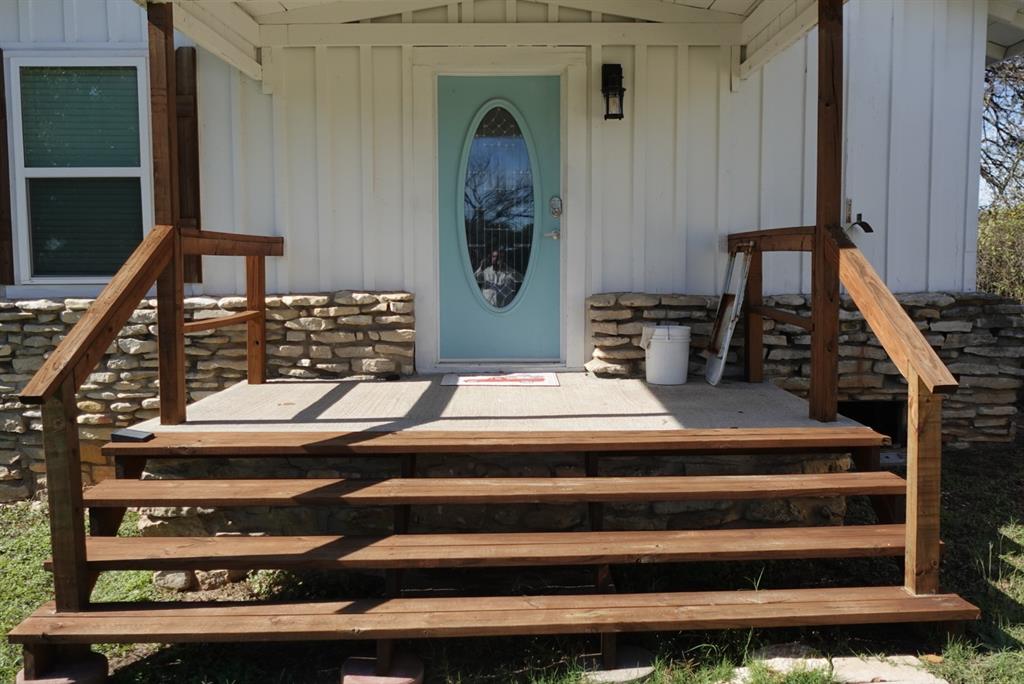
(82, 167)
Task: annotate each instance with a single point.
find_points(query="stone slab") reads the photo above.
(405, 669)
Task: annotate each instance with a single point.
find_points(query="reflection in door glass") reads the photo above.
(499, 207)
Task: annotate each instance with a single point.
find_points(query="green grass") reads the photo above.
(983, 510)
(24, 585)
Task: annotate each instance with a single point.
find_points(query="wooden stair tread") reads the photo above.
(486, 616)
(295, 443)
(446, 490)
(491, 549)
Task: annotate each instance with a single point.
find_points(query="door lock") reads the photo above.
(555, 205)
(554, 235)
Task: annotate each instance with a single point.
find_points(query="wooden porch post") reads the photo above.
(64, 495)
(825, 253)
(924, 465)
(171, 283)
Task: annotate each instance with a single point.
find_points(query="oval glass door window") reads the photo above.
(499, 207)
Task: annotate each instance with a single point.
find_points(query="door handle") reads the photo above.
(554, 235)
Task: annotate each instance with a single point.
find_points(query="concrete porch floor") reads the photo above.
(581, 402)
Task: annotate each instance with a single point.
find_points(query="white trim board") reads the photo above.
(569, 63)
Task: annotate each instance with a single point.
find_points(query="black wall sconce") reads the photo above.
(611, 88)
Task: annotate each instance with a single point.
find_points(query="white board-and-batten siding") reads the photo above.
(328, 159)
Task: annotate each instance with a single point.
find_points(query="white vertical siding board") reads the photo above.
(347, 177)
(702, 178)
(408, 243)
(979, 29)
(115, 25)
(366, 135)
(723, 191)
(282, 216)
(387, 167)
(640, 136)
(93, 22)
(302, 235)
(660, 260)
(47, 24)
(739, 174)
(596, 171)
(680, 225)
(425, 205)
(69, 15)
(617, 185)
(910, 155)
(809, 182)
(25, 33)
(9, 22)
(577, 181)
(326, 228)
(867, 129)
(951, 111)
(782, 159)
(215, 159)
(241, 208)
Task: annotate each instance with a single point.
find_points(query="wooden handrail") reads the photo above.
(78, 353)
(211, 243)
(795, 239)
(901, 339)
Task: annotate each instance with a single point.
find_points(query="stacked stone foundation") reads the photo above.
(979, 336)
(343, 335)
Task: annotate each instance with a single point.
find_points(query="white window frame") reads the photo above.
(20, 175)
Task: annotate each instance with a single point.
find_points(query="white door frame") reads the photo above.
(571, 65)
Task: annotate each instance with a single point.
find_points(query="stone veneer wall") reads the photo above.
(340, 335)
(979, 336)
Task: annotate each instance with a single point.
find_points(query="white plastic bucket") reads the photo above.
(668, 353)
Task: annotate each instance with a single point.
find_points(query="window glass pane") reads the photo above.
(80, 116)
(83, 226)
(498, 207)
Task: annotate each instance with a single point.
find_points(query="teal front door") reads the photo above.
(499, 176)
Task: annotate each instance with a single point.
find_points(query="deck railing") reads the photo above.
(159, 259)
(927, 378)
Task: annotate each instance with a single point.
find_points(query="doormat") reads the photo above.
(501, 380)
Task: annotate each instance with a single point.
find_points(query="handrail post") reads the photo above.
(924, 465)
(256, 300)
(64, 496)
(825, 253)
(753, 358)
(170, 312)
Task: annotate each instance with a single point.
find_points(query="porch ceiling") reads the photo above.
(239, 32)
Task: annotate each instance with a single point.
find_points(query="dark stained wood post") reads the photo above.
(256, 300)
(753, 297)
(825, 253)
(171, 283)
(186, 117)
(64, 496)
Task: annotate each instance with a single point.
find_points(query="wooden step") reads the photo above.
(491, 549)
(506, 490)
(293, 443)
(486, 616)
